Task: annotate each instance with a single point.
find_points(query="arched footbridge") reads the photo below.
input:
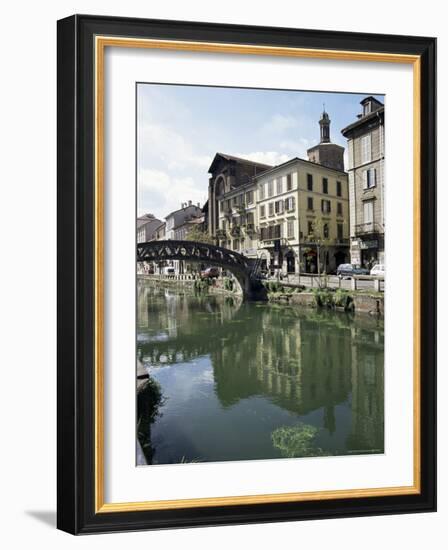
(244, 269)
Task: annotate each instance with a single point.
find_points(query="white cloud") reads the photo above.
(160, 193)
(169, 148)
(272, 158)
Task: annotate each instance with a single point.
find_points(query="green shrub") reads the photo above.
(228, 284)
(296, 441)
(201, 285)
(342, 298)
(323, 297)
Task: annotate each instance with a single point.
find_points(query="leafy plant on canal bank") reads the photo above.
(296, 441)
(276, 287)
(329, 298)
(202, 285)
(149, 401)
(344, 299)
(228, 284)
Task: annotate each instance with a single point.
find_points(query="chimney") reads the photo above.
(189, 203)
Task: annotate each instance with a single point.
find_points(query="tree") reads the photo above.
(322, 241)
(197, 234)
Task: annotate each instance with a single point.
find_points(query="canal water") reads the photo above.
(243, 381)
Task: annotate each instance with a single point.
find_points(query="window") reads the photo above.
(369, 178)
(366, 149)
(261, 192)
(310, 227)
(310, 203)
(235, 201)
(326, 206)
(288, 182)
(250, 197)
(279, 207)
(367, 108)
(270, 188)
(339, 189)
(339, 209)
(290, 204)
(250, 218)
(309, 182)
(340, 230)
(368, 212)
(262, 211)
(271, 208)
(325, 185)
(271, 232)
(326, 231)
(290, 229)
(279, 186)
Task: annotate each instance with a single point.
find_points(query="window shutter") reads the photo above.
(365, 184)
(374, 176)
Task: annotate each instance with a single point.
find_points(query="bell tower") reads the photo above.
(326, 153)
(324, 123)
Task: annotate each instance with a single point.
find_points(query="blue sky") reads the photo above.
(180, 128)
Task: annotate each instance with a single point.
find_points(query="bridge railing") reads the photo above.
(171, 276)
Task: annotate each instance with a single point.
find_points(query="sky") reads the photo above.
(181, 128)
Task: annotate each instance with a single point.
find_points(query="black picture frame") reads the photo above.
(76, 257)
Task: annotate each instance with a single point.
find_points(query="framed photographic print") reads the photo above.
(246, 274)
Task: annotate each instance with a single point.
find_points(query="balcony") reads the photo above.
(221, 234)
(343, 242)
(368, 228)
(235, 230)
(250, 229)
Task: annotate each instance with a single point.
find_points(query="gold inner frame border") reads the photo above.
(101, 42)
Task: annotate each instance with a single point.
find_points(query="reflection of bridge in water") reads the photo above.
(244, 269)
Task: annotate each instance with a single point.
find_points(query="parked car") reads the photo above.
(378, 270)
(169, 270)
(348, 270)
(210, 273)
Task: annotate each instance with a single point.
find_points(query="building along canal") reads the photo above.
(230, 380)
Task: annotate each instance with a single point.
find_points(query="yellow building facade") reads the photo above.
(303, 218)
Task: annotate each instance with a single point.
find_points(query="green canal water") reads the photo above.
(243, 381)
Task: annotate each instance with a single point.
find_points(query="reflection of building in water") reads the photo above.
(305, 363)
(175, 324)
(301, 367)
(368, 391)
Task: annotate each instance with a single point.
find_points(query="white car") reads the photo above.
(378, 270)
